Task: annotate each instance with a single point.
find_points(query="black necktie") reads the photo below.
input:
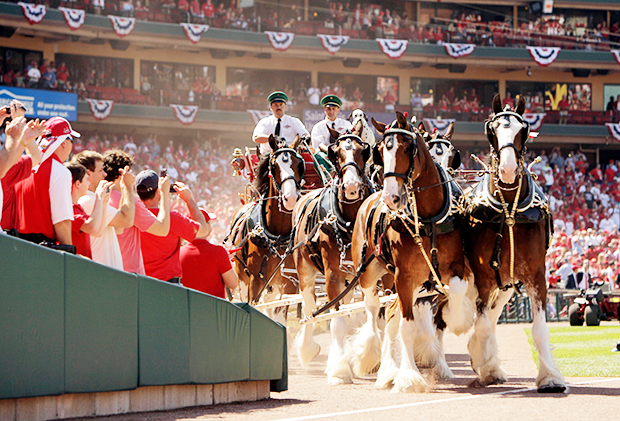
(334, 125)
(277, 133)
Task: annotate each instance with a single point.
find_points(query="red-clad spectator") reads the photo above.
(183, 5)
(610, 173)
(194, 8)
(597, 174)
(208, 9)
(62, 74)
(206, 266)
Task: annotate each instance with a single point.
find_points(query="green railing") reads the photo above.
(519, 308)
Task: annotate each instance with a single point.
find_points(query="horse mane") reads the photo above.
(261, 182)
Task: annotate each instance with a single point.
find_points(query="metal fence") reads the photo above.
(519, 308)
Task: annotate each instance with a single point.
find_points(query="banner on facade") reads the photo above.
(34, 13)
(332, 43)
(194, 31)
(122, 26)
(41, 104)
(459, 50)
(280, 40)
(101, 108)
(186, 114)
(393, 48)
(544, 56)
(74, 17)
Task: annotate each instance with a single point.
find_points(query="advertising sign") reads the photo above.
(42, 104)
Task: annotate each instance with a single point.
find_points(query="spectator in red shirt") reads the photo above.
(83, 225)
(206, 266)
(161, 255)
(610, 173)
(207, 10)
(183, 5)
(597, 174)
(563, 106)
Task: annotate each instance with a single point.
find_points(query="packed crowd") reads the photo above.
(69, 196)
(369, 20)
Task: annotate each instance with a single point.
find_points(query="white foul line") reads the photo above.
(412, 404)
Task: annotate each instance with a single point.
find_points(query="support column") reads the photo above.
(220, 77)
(137, 83)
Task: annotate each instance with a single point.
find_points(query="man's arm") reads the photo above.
(63, 232)
(161, 226)
(124, 218)
(94, 225)
(186, 195)
(230, 279)
(260, 133)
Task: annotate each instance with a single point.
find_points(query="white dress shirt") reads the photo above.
(289, 128)
(320, 134)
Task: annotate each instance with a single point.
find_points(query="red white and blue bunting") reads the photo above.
(614, 129)
(258, 115)
(459, 50)
(280, 40)
(440, 124)
(394, 48)
(544, 56)
(122, 26)
(332, 43)
(73, 17)
(534, 119)
(186, 114)
(34, 12)
(101, 108)
(194, 31)
(616, 54)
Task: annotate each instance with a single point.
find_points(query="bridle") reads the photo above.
(272, 164)
(360, 171)
(409, 135)
(506, 115)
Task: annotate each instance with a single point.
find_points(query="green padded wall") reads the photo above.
(220, 340)
(266, 338)
(163, 333)
(31, 319)
(101, 330)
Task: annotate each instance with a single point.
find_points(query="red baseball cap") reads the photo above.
(59, 130)
(208, 215)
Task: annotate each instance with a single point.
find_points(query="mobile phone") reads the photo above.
(163, 172)
(7, 108)
(172, 190)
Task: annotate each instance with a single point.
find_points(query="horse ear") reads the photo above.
(302, 166)
(377, 159)
(497, 104)
(366, 152)
(272, 142)
(449, 131)
(520, 108)
(333, 133)
(488, 131)
(332, 155)
(378, 125)
(357, 129)
(402, 120)
(421, 127)
(456, 160)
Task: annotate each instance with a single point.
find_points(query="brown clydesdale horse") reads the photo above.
(412, 227)
(261, 230)
(507, 236)
(326, 217)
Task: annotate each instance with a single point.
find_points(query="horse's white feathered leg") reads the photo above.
(338, 370)
(409, 378)
(425, 343)
(389, 368)
(365, 347)
(548, 373)
(307, 348)
(459, 313)
(483, 343)
(442, 371)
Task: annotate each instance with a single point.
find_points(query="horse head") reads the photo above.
(507, 132)
(348, 156)
(286, 170)
(441, 149)
(397, 153)
(359, 120)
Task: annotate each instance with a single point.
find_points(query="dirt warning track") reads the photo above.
(309, 397)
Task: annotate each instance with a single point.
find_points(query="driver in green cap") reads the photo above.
(278, 123)
(321, 138)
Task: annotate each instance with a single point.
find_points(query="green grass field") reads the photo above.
(583, 351)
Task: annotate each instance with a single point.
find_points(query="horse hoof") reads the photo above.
(552, 388)
(476, 384)
(318, 351)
